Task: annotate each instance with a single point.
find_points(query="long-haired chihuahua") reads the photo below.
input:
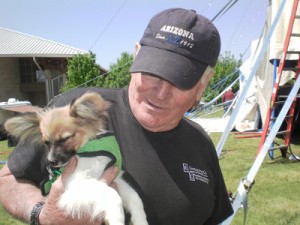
(64, 130)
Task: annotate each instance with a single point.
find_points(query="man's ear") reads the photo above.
(203, 84)
(137, 48)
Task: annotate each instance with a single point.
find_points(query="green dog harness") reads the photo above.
(104, 145)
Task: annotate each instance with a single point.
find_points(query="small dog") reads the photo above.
(66, 129)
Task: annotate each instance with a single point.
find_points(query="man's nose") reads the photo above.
(164, 89)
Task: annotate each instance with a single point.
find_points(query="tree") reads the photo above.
(83, 71)
(220, 80)
(119, 75)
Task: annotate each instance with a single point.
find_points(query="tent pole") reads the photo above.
(257, 60)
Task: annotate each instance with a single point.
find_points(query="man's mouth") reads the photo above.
(153, 105)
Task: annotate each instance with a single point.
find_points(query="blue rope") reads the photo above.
(226, 78)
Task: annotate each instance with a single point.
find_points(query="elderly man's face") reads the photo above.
(158, 105)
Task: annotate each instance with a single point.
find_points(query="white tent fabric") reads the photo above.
(278, 37)
(211, 125)
(259, 94)
(265, 72)
(245, 119)
(260, 91)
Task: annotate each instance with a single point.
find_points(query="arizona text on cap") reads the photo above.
(177, 46)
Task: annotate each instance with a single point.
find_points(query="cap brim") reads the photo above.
(181, 71)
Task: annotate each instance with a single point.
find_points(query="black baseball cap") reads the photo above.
(177, 46)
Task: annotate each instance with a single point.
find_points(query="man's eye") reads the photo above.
(149, 76)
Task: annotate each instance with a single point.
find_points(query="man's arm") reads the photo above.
(18, 196)
(21, 196)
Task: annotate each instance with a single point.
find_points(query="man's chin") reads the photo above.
(148, 122)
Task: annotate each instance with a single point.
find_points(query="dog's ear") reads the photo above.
(24, 126)
(90, 108)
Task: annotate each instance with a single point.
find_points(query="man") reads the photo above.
(170, 160)
(227, 99)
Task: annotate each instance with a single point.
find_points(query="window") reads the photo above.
(27, 70)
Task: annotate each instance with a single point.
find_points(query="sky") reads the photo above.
(110, 27)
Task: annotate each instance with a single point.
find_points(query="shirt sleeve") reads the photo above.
(223, 208)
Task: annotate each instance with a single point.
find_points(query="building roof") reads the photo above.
(17, 44)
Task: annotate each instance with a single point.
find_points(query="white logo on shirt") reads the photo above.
(195, 174)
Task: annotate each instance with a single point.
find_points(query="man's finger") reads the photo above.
(109, 174)
(69, 169)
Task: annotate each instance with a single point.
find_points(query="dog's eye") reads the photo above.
(63, 140)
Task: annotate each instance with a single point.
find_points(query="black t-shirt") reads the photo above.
(176, 173)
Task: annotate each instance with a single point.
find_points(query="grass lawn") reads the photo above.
(5, 218)
(274, 198)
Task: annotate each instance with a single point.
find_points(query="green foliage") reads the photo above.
(119, 75)
(225, 65)
(83, 71)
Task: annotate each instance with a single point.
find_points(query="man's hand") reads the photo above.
(51, 214)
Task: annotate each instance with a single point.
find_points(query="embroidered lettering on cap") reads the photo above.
(178, 31)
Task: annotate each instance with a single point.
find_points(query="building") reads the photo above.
(32, 68)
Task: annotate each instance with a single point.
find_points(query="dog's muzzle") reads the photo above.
(60, 160)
